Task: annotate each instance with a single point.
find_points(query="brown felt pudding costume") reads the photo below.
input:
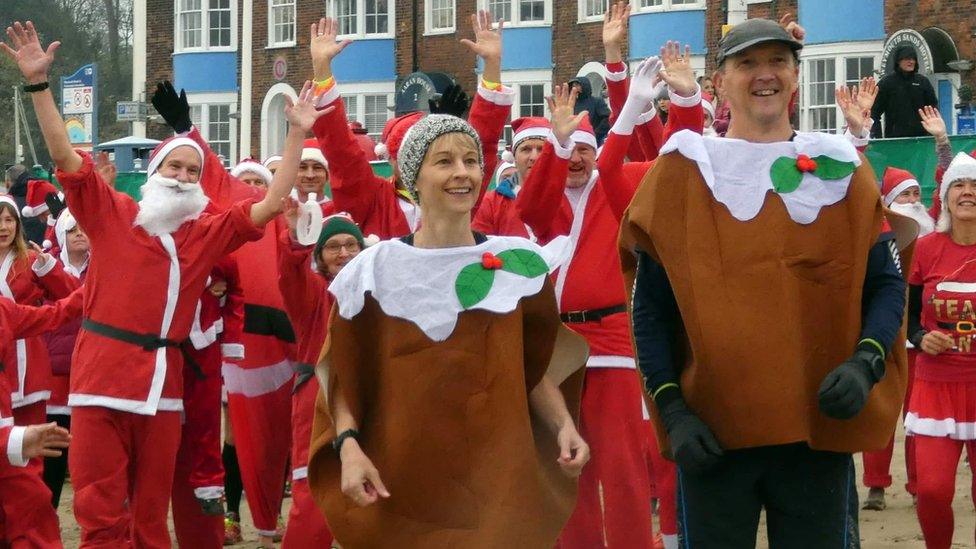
(763, 239)
(435, 351)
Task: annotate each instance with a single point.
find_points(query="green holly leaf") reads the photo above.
(523, 262)
(828, 168)
(786, 177)
(473, 284)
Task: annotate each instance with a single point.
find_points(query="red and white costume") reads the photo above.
(125, 399)
(308, 304)
(259, 386)
(374, 202)
(27, 518)
(649, 132)
(215, 336)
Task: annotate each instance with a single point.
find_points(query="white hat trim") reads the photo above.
(314, 154)
(167, 148)
(252, 167)
(584, 138)
(535, 132)
(900, 188)
(963, 166)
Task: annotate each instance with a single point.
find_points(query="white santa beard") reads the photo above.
(916, 211)
(163, 208)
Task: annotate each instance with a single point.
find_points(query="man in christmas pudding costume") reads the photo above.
(764, 306)
(453, 384)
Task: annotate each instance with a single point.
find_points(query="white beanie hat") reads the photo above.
(252, 166)
(963, 166)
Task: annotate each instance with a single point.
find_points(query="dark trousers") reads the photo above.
(809, 496)
(56, 468)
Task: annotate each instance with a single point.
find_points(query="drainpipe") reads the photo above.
(139, 61)
(413, 28)
(247, 67)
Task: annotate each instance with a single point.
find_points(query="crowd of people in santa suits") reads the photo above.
(135, 323)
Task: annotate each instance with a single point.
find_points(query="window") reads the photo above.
(531, 100)
(205, 25)
(823, 68)
(363, 18)
(531, 89)
(370, 106)
(592, 10)
(521, 12)
(281, 23)
(440, 16)
(215, 124)
(665, 5)
(274, 125)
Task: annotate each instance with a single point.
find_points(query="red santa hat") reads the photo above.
(37, 193)
(165, 147)
(393, 133)
(502, 166)
(894, 182)
(311, 151)
(252, 166)
(584, 134)
(707, 104)
(529, 127)
(357, 128)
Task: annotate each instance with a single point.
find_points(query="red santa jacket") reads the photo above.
(27, 283)
(267, 336)
(19, 322)
(309, 303)
(650, 134)
(374, 202)
(143, 284)
(60, 346)
(220, 318)
(498, 215)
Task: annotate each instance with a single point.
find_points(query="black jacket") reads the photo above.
(596, 107)
(900, 95)
(34, 228)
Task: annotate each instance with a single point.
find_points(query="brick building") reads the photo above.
(239, 59)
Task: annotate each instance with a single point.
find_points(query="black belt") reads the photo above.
(961, 326)
(303, 373)
(268, 321)
(148, 342)
(594, 315)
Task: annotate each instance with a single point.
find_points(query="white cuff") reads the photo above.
(232, 350)
(504, 97)
(15, 447)
(208, 492)
(863, 139)
(683, 101)
(41, 269)
(561, 151)
(617, 76)
(328, 97)
(647, 117)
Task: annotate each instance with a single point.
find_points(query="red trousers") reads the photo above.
(613, 508)
(664, 476)
(122, 470)
(27, 519)
(199, 467)
(938, 459)
(306, 523)
(262, 436)
(877, 464)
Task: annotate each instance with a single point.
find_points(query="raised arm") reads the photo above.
(856, 102)
(934, 124)
(301, 117)
(34, 62)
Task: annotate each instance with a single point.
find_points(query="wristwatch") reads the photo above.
(875, 363)
(348, 433)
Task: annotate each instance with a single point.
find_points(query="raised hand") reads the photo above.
(173, 107)
(793, 27)
(323, 46)
(646, 85)
(867, 92)
(615, 21)
(303, 113)
(677, 69)
(106, 168)
(44, 440)
(290, 212)
(846, 99)
(932, 122)
(561, 105)
(487, 41)
(32, 60)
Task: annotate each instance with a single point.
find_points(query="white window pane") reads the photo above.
(283, 20)
(351, 111)
(219, 23)
(593, 8)
(532, 10)
(346, 14)
(532, 100)
(822, 114)
(376, 113)
(218, 131)
(651, 3)
(377, 17)
(500, 9)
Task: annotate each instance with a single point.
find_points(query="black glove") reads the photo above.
(453, 101)
(693, 445)
(173, 107)
(844, 391)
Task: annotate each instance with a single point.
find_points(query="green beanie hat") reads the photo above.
(338, 224)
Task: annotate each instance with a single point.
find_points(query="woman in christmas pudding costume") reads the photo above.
(453, 384)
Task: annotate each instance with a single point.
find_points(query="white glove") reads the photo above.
(645, 87)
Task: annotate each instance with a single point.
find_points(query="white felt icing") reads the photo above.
(738, 172)
(417, 284)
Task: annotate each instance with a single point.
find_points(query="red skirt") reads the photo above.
(942, 409)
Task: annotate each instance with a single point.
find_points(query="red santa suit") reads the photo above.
(215, 335)
(308, 304)
(649, 131)
(259, 386)
(126, 397)
(379, 207)
(27, 518)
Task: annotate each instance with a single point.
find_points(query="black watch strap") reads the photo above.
(348, 433)
(31, 88)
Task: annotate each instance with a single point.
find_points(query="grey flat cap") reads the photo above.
(752, 32)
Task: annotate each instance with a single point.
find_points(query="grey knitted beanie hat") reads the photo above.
(419, 138)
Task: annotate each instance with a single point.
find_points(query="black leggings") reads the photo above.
(233, 486)
(56, 469)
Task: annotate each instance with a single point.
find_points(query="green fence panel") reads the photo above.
(915, 154)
